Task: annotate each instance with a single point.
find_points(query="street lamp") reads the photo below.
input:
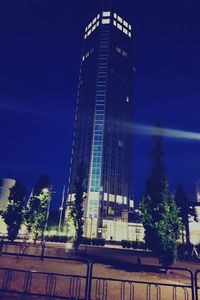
(61, 209)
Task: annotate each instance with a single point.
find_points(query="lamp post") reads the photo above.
(61, 209)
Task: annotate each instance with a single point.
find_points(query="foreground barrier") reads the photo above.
(175, 284)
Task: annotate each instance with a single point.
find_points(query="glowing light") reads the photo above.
(167, 132)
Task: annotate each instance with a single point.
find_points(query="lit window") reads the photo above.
(89, 25)
(97, 24)
(119, 199)
(119, 19)
(94, 20)
(83, 58)
(87, 54)
(85, 29)
(119, 26)
(105, 21)
(125, 23)
(85, 36)
(125, 30)
(115, 15)
(124, 53)
(98, 16)
(129, 26)
(118, 49)
(89, 32)
(114, 23)
(131, 203)
(125, 200)
(129, 34)
(94, 27)
(127, 99)
(106, 14)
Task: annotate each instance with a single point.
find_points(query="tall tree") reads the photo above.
(157, 176)
(13, 215)
(159, 213)
(37, 208)
(162, 226)
(185, 210)
(77, 208)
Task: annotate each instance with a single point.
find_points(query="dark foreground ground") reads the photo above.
(115, 274)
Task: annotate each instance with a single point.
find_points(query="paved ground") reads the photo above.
(118, 264)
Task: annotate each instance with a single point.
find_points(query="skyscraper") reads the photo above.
(104, 121)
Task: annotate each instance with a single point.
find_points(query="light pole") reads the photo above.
(61, 209)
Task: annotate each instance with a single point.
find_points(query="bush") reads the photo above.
(98, 242)
(56, 238)
(133, 244)
(185, 251)
(86, 241)
(126, 244)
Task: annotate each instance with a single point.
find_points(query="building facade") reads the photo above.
(103, 136)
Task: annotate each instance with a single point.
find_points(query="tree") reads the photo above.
(185, 210)
(77, 207)
(37, 208)
(157, 177)
(13, 215)
(159, 213)
(162, 226)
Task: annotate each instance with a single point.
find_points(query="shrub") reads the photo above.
(56, 238)
(185, 251)
(98, 242)
(126, 244)
(133, 244)
(86, 241)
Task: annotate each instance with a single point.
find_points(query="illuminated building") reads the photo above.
(104, 121)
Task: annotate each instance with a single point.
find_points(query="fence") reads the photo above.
(90, 284)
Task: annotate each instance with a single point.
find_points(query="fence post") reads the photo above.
(42, 250)
(89, 280)
(1, 245)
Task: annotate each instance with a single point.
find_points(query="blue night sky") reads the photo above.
(40, 52)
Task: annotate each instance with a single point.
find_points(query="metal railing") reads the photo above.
(92, 287)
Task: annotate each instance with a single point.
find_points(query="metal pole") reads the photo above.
(45, 224)
(61, 209)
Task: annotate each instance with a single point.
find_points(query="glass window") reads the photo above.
(129, 26)
(105, 21)
(115, 15)
(129, 34)
(125, 30)
(98, 16)
(118, 49)
(106, 14)
(125, 23)
(114, 23)
(124, 53)
(118, 26)
(94, 20)
(119, 19)
(94, 27)
(85, 29)
(89, 32)
(89, 25)
(97, 24)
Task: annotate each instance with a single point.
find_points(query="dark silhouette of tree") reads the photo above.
(162, 234)
(77, 208)
(159, 213)
(157, 176)
(37, 208)
(13, 215)
(185, 210)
